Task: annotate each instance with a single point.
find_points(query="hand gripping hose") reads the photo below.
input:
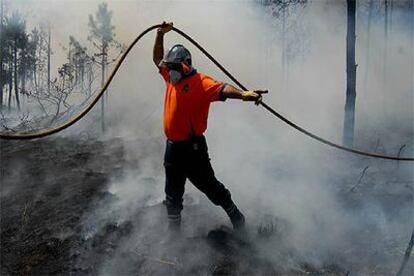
(52, 130)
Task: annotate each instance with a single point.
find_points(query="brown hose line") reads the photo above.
(49, 131)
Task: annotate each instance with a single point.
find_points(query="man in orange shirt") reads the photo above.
(187, 100)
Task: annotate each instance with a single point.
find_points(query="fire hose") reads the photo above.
(51, 130)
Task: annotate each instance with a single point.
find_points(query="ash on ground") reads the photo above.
(51, 190)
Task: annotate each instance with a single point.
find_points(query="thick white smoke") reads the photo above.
(271, 169)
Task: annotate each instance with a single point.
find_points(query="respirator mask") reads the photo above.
(176, 71)
(174, 76)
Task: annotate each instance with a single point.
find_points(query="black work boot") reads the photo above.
(174, 223)
(174, 226)
(173, 234)
(236, 217)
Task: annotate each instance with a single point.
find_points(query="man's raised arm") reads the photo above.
(158, 51)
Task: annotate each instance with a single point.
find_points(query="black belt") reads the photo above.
(193, 141)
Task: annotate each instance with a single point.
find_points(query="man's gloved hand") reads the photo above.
(165, 28)
(253, 95)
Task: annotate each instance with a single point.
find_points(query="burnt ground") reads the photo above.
(49, 187)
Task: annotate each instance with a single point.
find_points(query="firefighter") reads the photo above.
(187, 99)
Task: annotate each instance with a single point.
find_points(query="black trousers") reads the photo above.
(189, 159)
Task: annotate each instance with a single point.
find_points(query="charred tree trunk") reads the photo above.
(10, 82)
(48, 58)
(83, 75)
(386, 3)
(411, 43)
(36, 72)
(23, 72)
(349, 121)
(23, 80)
(35, 75)
(2, 77)
(102, 84)
(284, 45)
(16, 88)
(90, 79)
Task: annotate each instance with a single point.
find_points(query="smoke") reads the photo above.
(276, 175)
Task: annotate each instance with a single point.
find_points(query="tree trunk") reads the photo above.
(83, 75)
(76, 73)
(89, 79)
(48, 59)
(23, 89)
(385, 44)
(16, 88)
(39, 73)
(10, 82)
(106, 77)
(22, 76)
(1, 55)
(284, 44)
(35, 75)
(349, 121)
(102, 84)
(411, 9)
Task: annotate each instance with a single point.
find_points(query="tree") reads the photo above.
(386, 7)
(49, 52)
(2, 73)
(351, 67)
(27, 62)
(102, 37)
(35, 44)
(43, 57)
(283, 9)
(16, 39)
(25, 70)
(79, 59)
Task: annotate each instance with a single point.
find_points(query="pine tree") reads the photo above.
(16, 39)
(282, 9)
(102, 37)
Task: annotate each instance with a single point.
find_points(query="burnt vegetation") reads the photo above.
(60, 217)
(28, 84)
